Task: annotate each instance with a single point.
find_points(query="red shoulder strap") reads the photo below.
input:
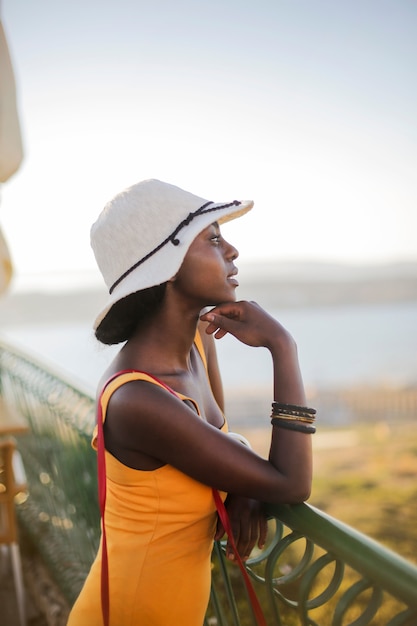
(101, 471)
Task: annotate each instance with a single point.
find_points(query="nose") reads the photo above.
(231, 252)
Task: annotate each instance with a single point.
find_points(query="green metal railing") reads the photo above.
(314, 570)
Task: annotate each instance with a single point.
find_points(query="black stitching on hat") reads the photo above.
(173, 237)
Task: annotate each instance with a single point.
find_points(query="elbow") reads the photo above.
(303, 492)
(290, 488)
(298, 492)
(300, 495)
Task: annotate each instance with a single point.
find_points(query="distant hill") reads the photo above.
(316, 284)
(272, 284)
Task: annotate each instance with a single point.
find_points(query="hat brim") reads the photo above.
(166, 263)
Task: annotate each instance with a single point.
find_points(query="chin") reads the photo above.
(229, 296)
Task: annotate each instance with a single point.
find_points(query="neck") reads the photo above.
(163, 341)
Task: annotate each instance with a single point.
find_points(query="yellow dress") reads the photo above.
(160, 526)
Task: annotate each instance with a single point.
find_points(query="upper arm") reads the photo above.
(147, 418)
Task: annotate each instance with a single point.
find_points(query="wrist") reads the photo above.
(288, 382)
(283, 345)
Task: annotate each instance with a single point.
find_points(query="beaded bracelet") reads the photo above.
(293, 418)
(293, 409)
(296, 414)
(302, 428)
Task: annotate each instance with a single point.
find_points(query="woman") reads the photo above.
(163, 257)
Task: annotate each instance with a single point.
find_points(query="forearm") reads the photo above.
(290, 450)
(288, 382)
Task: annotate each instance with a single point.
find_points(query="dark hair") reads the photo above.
(124, 316)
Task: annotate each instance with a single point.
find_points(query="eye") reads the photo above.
(215, 239)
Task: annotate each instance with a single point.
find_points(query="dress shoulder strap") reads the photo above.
(125, 377)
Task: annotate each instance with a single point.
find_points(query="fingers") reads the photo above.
(221, 319)
(245, 541)
(220, 333)
(214, 328)
(230, 317)
(246, 321)
(263, 531)
(249, 529)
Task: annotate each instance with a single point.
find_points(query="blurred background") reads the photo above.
(308, 108)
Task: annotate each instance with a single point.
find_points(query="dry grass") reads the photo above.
(366, 476)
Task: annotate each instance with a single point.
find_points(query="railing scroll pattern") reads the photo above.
(316, 571)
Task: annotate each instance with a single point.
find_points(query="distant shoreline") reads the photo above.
(273, 285)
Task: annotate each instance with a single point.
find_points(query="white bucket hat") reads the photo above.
(141, 237)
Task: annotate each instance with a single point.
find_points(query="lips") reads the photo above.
(232, 277)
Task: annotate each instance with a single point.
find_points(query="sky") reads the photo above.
(308, 107)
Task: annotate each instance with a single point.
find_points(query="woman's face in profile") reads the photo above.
(208, 271)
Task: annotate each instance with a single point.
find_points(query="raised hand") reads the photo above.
(246, 321)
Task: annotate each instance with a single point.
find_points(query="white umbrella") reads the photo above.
(11, 149)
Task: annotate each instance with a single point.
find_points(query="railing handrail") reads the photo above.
(52, 371)
(383, 566)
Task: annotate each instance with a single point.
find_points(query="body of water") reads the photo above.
(339, 347)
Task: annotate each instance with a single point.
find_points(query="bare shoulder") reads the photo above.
(138, 411)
